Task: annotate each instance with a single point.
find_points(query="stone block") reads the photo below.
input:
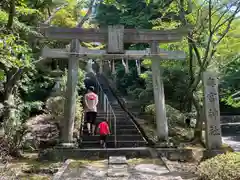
(118, 166)
(212, 153)
(175, 154)
(117, 160)
(117, 172)
(151, 168)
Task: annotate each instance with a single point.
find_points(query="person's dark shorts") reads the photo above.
(91, 117)
(103, 137)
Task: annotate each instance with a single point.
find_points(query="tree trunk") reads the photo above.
(12, 77)
(49, 12)
(200, 119)
(199, 126)
(11, 14)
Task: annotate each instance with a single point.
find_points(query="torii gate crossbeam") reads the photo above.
(101, 35)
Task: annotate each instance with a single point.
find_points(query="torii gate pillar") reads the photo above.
(159, 97)
(67, 124)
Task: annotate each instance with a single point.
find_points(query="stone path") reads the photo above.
(118, 168)
(233, 141)
(231, 134)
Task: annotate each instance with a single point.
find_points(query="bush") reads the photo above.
(55, 106)
(222, 167)
(174, 116)
(178, 132)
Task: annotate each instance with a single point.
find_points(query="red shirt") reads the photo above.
(103, 128)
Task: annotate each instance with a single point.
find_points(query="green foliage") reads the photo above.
(130, 13)
(35, 85)
(55, 105)
(19, 48)
(221, 167)
(1, 75)
(13, 49)
(178, 77)
(3, 17)
(175, 117)
(230, 82)
(80, 85)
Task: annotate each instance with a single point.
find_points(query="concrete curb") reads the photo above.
(60, 172)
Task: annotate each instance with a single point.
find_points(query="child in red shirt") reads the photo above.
(103, 129)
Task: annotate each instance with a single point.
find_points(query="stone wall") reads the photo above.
(230, 119)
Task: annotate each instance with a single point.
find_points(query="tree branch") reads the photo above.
(55, 11)
(191, 73)
(210, 16)
(49, 12)
(205, 58)
(189, 37)
(228, 19)
(215, 26)
(193, 43)
(85, 18)
(218, 9)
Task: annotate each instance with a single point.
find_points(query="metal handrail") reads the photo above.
(107, 109)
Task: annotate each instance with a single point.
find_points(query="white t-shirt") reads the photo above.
(91, 101)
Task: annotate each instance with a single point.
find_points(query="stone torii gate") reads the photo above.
(115, 36)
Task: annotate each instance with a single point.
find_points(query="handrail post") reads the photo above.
(110, 119)
(107, 111)
(115, 132)
(104, 103)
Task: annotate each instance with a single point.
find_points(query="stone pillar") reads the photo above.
(212, 111)
(67, 123)
(100, 66)
(159, 97)
(89, 67)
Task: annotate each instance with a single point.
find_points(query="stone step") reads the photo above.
(120, 121)
(230, 130)
(127, 131)
(124, 126)
(111, 117)
(119, 111)
(111, 144)
(121, 131)
(119, 126)
(111, 138)
(61, 154)
(116, 106)
(118, 114)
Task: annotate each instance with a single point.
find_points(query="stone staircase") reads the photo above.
(127, 133)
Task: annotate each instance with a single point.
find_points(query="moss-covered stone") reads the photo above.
(221, 167)
(29, 168)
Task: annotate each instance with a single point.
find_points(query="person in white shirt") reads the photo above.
(91, 102)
